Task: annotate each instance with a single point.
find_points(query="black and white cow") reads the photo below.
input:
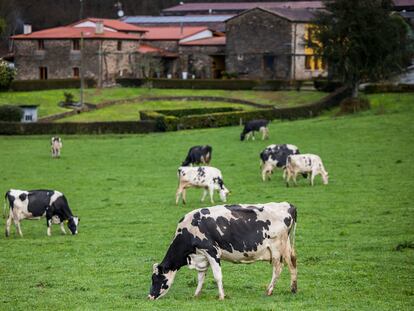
(242, 233)
(305, 163)
(255, 126)
(198, 155)
(55, 146)
(40, 203)
(206, 177)
(275, 156)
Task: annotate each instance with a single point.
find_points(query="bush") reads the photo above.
(6, 75)
(11, 113)
(37, 85)
(327, 85)
(130, 82)
(353, 105)
(388, 88)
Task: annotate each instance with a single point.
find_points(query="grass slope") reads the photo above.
(48, 100)
(123, 189)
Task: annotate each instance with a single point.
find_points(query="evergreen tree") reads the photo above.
(362, 40)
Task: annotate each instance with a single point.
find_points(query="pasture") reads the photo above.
(354, 237)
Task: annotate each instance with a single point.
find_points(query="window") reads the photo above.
(40, 44)
(76, 72)
(308, 59)
(28, 117)
(119, 46)
(309, 37)
(316, 63)
(269, 62)
(76, 45)
(43, 73)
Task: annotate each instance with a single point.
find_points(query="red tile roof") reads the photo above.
(68, 32)
(149, 49)
(112, 23)
(171, 33)
(209, 41)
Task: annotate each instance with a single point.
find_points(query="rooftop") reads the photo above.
(172, 33)
(175, 19)
(208, 41)
(110, 23)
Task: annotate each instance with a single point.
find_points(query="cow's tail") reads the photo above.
(6, 200)
(292, 233)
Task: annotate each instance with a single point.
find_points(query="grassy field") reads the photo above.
(123, 186)
(129, 111)
(48, 100)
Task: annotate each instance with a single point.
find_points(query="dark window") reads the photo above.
(76, 45)
(40, 44)
(310, 35)
(43, 73)
(308, 60)
(119, 46)
(28, 117)
(316, 63)
(269, 62)
(76, 72)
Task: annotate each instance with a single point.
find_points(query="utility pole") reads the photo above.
(81, 10)
(82, 78)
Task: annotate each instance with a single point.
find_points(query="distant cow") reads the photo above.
(198, 155)
(56, 145)
(242, 233)
(40, 203)
(206, 177)
(305, 163)
(255, 126)
(274, 156)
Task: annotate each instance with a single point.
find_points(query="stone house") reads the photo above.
(56, 53)
(272, 44)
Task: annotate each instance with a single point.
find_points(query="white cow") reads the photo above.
(274, 156)
(206, 177)
(305, 163)
(56, 145)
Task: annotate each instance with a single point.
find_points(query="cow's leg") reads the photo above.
(290, 259)
(16, 220)
(184, 195)
(312, 177)
(178, 193)
(218, 277)
(294, 174)
(253, 137)
(288, 175)
(211, 191)
(49, 226)
(277, 263)
(8, 223)
(264, 174)
(205, 192)
(201, 276)
(62, 228)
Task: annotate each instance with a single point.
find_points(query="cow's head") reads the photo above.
(325, 178)
(161, 281)
(73, 223)
(242, 136)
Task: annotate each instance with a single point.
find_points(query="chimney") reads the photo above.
(99, 27)
(27, 29)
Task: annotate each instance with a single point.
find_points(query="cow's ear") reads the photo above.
(155, 268)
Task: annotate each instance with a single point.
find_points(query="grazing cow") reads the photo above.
(56, 145)
(198, 155)
(39, 203)
(253, 126)
(305, 163)
(274, 156)
(242, 233)
(206, 177)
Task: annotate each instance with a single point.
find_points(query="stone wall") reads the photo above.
(258, 46)
(59, 59)
(199, 60)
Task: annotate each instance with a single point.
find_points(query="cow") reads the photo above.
(305, 163)
(35, 204)
(56, 145)
(242, 233)
(255, 125)
(206, 177)
(198, 155)
(274, 156)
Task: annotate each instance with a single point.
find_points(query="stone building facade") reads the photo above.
(265, 44)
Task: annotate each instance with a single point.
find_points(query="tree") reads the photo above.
(362, 40)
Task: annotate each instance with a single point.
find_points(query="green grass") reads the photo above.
(130, 111)
(123, 186)
(48, 100)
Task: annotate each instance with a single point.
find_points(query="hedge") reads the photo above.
(14, 128)
(388, 88)
(210, 84)
(37, 85)
(166, 122)
(327, 85)
(11, 113)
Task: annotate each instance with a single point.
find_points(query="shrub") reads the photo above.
(353, 105)
(11, 113)
(6, 75)
(388, 88)
(130, 82)
(68, 97)
(36, 85)
(326, 85)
